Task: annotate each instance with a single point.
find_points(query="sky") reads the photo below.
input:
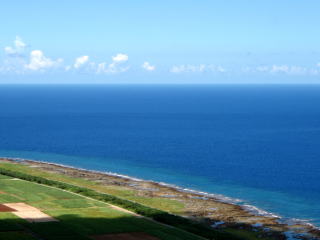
(155, 42)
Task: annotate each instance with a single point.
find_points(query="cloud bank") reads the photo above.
(19, 59)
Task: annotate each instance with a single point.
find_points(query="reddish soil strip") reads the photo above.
(2, 192)
(125, 236)
(4, 208)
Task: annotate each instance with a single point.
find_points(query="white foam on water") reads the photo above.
(258, 212)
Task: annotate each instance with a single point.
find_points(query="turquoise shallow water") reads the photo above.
(258, 144)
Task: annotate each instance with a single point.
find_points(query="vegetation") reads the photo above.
(168, 205)
(153, 213)
(79, 217)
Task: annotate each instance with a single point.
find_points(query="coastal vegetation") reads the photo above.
(149, 212)
(78, 217)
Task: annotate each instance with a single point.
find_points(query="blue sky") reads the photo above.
(204, 41)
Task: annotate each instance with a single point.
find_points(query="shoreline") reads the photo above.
(217, 197)
(232, 213)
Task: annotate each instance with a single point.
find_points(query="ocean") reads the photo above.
(258, 144)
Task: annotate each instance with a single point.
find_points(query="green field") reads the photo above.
(79, 217)
(120, 191)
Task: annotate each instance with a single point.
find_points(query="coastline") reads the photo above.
(217, 210)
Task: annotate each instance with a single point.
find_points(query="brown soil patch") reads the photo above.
(2, 192)
(4, 208)
(29, 213)
(125, 236)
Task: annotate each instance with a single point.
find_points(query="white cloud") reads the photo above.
(188, 68)
(38, 61)
(19, 43)
(147, 66)
(80, 61)
(120, 57)
(177, 69)
(102, 67)
(280, 69)
(67, 68)
(197, 68)
(18, 49)
(286, 69)
(13, 65)
(111, 68)
(17, 62)
(9, 50)
(220, 69)
(262, 69)
(116, 66)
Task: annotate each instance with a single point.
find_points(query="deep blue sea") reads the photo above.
(257, 143)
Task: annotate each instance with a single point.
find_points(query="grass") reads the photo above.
(169, 205)
(79, 217)
(4, 177)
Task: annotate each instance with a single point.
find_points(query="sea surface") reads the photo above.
(259, 144)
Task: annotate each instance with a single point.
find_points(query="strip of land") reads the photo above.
(69, 216)
(205, 209)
